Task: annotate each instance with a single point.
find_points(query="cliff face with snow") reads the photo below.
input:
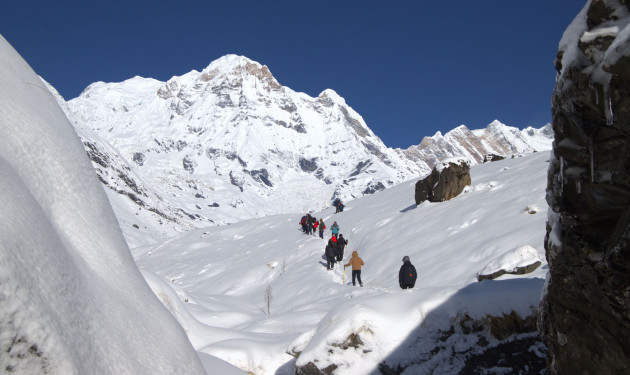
(230, 143)
(586, 311)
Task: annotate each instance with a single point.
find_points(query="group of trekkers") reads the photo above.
(335, 249)
(338, 205)
(310, 225)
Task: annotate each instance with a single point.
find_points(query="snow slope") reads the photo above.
(218, 276)
(72, 301)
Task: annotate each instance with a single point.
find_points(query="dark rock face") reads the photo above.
(585, 315)
(260, 175)
(505, 344)
(442, 185)
(189, 164)
(139, 158)
(492, 157)
(374, 187)
(308, 165)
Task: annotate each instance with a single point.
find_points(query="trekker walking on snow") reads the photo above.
(407, 275)
(311, 224)
(356, 263)
(341, 246)
(330, 254)
(303, 223)
(335, 229)
(321, 227)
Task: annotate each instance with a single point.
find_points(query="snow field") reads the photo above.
(225, 271)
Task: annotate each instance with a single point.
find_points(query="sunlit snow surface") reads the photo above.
(71, 298)
(223, 273)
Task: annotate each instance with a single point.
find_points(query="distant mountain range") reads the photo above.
(231, 143)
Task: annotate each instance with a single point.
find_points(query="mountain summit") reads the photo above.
(230, 143)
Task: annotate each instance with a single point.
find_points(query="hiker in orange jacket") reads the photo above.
(356, 263)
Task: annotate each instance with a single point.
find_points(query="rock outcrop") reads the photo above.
(447, 180)
(492, 157)
(585, 312)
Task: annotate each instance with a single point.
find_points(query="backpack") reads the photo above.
(410, 276)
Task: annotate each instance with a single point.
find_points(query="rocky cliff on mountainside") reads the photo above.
(585, 313)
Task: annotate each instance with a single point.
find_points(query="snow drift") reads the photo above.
(71, 298)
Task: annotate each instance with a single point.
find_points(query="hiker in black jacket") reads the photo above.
(407, 275)
(330, 253)
(341, 246)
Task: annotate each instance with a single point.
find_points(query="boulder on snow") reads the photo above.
(518, 261)
(447, 180)
(492, 157)
(585, 312)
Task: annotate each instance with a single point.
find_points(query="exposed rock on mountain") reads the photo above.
(586, 311)
(492, 157)
(447, 180)
(232, 134)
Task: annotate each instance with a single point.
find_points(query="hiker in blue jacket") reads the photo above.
(335, 229)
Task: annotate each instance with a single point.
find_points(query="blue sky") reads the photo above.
(410, 68)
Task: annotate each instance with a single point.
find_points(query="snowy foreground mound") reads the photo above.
(215, 280)
(71, 298)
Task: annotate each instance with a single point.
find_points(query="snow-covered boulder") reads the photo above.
(518, 261)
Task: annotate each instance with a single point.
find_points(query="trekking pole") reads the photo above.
(344, 276)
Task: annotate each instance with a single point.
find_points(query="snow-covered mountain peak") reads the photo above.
(462, 129)
(230, 62)
(131, 88)
(238, 67)
(229, 143)
(496, 124)
(332, 96)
